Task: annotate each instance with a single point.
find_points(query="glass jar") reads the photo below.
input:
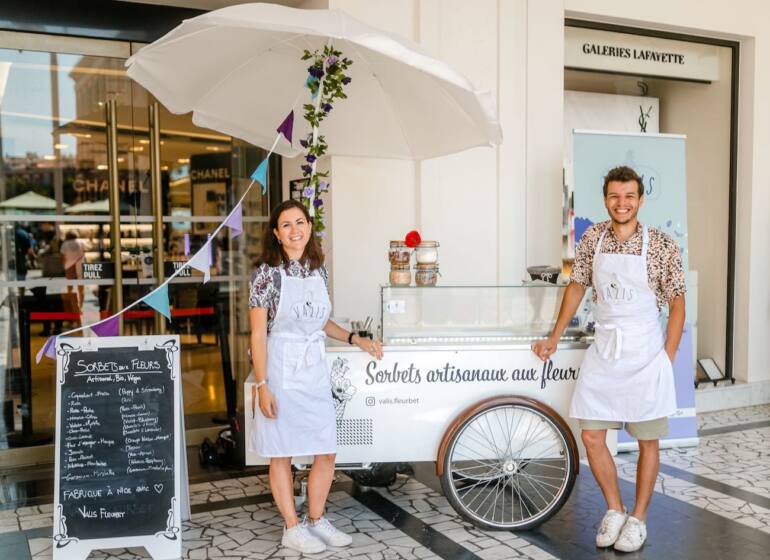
(427, 252)
(399, 253)
(426, 274)
(400, 275)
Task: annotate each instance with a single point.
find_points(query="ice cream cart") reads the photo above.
(459, 386)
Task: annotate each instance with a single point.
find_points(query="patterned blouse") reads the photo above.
(265, 285)
(664, 262)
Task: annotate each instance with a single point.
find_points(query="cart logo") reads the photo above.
(342, 388)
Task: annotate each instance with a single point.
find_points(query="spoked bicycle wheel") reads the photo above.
(510, 464)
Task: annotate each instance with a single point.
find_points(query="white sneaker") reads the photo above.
(324, 530)
(300, 539)
(632, 536)
(609, 529)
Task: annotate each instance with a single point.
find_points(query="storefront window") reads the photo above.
(57, 268)
(688, 92)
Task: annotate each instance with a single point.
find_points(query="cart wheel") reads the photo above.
(508, 463)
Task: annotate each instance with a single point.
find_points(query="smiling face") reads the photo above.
(293, 232)
(623, 201)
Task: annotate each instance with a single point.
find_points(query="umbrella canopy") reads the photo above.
(239, 71)
(30, 200)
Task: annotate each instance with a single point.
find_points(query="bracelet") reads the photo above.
(350, 338)
(259, 384)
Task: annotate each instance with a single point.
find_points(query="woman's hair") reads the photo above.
(272, 251)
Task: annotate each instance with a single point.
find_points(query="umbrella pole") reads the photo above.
(313, 165)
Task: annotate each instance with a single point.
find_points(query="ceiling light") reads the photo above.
(49, 157)
(61, 146)
(183, 160)
(101, 166)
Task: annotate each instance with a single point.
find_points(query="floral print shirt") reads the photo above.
(665, 274)
(265, 285)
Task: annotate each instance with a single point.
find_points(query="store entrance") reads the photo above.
(87, 152)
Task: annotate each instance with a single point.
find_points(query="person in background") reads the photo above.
(627, 377)
(73, 253)
(289, 315)
(25, 249)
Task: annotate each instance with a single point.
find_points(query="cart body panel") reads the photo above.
(399, 409)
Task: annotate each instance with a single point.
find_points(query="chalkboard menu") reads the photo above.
(117, 443)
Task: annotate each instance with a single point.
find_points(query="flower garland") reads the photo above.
(326, 79)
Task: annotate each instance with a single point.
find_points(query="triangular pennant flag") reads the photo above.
(287, 126)
(108, 327)
(158, 300)
(202, 261)
(261, 175)
(48, 350)
(235, 221)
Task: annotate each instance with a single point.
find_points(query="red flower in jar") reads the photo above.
(413, 239)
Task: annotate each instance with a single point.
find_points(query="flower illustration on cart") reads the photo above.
(342, 388)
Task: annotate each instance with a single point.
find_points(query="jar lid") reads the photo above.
(427, 245)
(427, 266)
(396, 244)
(400, 266)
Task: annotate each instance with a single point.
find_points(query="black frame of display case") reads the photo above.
(734, 47)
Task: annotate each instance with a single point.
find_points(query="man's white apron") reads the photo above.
(626, 374)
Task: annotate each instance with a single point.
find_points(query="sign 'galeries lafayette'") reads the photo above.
(639, 55)
(399, 408)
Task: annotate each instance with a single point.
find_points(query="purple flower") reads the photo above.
(316, 72)
(321, 234)
(307, 192)
(304, 143)
(317, 203)
(307, 170)
(346, 80)
(331, 60)
(323, 186)
(326, 107)
(310, 158)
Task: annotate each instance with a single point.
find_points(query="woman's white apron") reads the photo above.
(626, 374)
(297, 374)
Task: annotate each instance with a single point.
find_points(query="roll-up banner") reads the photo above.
(660, 160)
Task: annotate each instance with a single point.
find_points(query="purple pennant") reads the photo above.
(235, 221)
(48, 350)
(287, 126)
(108, 327)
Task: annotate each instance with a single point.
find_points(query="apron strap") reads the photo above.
(598, 248)
(645, 243)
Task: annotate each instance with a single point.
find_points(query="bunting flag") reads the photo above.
(48, 350)
(158, 300)
(287, 126)
(202, 261)
(235, 221)
(260, 175)
(108, 327)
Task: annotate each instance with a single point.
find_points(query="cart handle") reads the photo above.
(497, 401)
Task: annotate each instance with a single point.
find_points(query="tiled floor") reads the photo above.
(712, 501)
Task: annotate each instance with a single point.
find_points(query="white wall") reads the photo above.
(497, 210)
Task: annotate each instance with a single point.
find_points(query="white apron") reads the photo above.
(626, 375)
(297, 374)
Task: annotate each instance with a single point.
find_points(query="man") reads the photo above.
(626, 378)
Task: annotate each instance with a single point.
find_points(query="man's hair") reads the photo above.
(623, 174)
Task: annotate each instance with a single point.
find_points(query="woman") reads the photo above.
(289, 317)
